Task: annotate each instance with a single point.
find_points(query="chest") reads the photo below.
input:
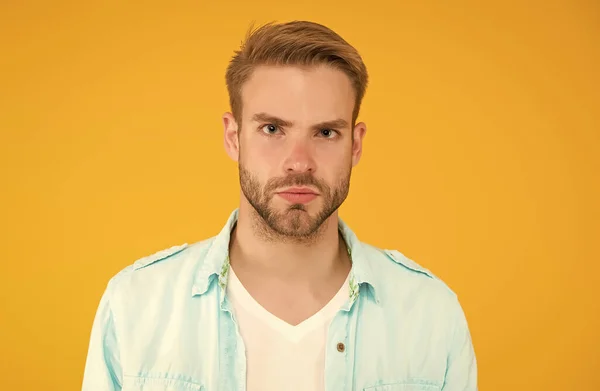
(202, 348)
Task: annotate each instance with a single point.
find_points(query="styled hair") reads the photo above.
(295, 43)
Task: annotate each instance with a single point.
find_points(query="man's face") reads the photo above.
(296, 148)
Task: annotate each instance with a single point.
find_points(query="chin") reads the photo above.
(303, 212)
(296, 227)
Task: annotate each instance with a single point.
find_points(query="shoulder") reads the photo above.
(162, 265)
(402, 275)
(412, 297)
(405, 285)
(158, 256)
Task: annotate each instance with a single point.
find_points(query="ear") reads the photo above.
(359, 131)
(230, 136)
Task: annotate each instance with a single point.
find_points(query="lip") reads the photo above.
(298, 195)
(299, 190)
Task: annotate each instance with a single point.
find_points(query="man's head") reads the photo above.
(295, 92)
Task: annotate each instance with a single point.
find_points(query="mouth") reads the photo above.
(299, 190)
(298, 195)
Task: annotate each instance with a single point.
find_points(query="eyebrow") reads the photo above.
(333, 124)
(264, 117)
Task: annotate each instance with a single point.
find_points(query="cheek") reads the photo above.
(334, 158)
(333, 168)
(259, 157)
(253, 148)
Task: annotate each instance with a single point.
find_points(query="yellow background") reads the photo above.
(481, 162)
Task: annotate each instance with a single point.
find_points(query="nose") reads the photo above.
(300, 157)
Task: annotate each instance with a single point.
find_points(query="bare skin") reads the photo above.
(296, 148)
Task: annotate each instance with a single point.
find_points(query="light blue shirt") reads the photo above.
(165, 323)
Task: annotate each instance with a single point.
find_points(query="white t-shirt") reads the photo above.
(281, 356)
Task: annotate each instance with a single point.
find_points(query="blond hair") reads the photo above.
(299, 43)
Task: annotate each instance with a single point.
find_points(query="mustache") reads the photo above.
(304, 179)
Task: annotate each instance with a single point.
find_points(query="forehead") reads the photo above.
(302, 94)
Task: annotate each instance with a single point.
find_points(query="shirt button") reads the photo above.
(341, 347)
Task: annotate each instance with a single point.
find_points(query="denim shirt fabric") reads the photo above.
(165, 323)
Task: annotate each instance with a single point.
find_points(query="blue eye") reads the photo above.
(270, 129)
(328, 133)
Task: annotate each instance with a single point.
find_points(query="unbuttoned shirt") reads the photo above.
(165, 322)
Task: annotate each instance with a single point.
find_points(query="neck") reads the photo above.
(255, 250)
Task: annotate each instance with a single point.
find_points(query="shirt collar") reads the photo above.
(216, 261)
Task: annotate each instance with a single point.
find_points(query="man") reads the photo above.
(285, 297)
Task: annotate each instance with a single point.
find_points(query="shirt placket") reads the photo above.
(232, 368)
(340, 349)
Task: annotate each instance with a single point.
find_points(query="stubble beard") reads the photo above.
(294, 224)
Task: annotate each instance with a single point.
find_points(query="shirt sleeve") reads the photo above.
(103, 367)
(461, 371)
